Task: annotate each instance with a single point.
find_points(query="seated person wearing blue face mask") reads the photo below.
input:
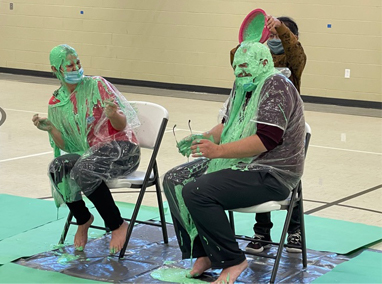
(287, 52)
(91, 130)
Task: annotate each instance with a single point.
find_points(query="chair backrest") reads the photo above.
(151, 116)
(308, 133)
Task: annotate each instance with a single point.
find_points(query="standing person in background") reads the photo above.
(287, 52)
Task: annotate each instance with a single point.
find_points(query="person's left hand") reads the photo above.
(111, 108)
(205, 148)
(272, 24)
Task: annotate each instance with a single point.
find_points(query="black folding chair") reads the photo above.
(293, 200)
(153, 118)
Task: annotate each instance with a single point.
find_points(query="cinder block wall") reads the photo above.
(188, 42)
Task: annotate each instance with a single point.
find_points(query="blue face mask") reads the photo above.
(74, 77)
(276, 46)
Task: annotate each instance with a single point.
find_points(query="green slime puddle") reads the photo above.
(175, 275)
(65, 258)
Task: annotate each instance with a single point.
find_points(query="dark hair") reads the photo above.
(290, 23)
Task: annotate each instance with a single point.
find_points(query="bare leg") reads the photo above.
(118, 238)
(201, 264)
(230, 274)
(81, 237)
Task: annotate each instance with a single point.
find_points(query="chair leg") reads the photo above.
(66, 228)
(107, 228)
(303, 236)
(231, 221)
(282, 239)
(133, 219)
(161, 211)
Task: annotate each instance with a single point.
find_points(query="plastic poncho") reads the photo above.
(273, 101)
(81, 120)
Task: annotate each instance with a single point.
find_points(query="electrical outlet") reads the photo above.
(347, 73)
(10, 6)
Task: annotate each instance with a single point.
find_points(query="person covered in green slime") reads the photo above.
(91, 129)
(255, 155)
(287, 53)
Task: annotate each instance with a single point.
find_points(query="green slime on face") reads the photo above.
(174, 275)
(255, 28)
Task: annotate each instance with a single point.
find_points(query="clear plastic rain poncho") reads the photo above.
(86, 131)
(262, 95)
(275, 102)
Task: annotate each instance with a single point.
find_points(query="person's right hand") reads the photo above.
(42, 123)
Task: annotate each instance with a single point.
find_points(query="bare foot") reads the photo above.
(81, 237)
(230, 274)
(201, 264)
(118, 238)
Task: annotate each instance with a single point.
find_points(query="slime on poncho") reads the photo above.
(79, 116)
(242, 120)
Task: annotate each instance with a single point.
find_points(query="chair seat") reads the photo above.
(265, 207)
(135, 178)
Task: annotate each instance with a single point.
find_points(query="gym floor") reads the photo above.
(343, 170)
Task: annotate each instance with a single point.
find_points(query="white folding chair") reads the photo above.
(153, 118)
(288, 204)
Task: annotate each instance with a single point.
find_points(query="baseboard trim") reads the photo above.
(200, 89)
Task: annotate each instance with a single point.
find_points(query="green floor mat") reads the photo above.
(37, 240)
(20, 214)
(365, 268)
(14, 273)
(26, 236)
(322, 234)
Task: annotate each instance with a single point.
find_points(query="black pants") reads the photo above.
(264, 224)
(90, 173)
(207, 198)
